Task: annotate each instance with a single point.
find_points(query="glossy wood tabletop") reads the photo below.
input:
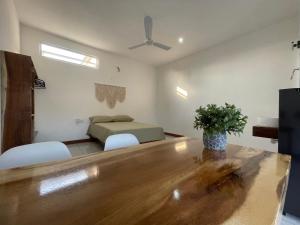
(167, 182)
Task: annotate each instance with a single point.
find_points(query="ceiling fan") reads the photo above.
(148, 34)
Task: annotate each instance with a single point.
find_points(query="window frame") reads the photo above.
(70, 50)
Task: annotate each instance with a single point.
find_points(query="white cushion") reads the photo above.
(34, 153)
(120, 141)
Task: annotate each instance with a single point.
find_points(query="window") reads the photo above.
(68, 56)
(181, 92)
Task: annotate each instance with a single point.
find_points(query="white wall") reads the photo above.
(298, 52)
(9, 33)
(247, 71)
(70, 88)
(299, 23)
(9, 27)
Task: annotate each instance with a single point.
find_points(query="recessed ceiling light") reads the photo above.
(180, 40)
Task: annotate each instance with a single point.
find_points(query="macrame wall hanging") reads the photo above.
(110, 93)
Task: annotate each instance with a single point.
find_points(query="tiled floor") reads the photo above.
(89, 147)
(93, 147)
(85, 148)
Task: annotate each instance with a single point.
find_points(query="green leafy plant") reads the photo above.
(219, 119)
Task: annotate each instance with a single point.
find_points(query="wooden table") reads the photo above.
(167, 182)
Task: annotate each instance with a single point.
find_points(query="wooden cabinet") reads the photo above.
(265, 132)
(17, 99)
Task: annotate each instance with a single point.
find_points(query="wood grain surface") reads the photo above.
(166, 182)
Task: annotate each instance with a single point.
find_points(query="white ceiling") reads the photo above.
(113, 25)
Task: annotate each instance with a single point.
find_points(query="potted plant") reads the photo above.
(217, 121)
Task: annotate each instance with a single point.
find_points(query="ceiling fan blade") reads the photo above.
(137, 46)
(159, 45)
(148, 27)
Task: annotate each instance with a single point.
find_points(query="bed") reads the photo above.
(144, 132)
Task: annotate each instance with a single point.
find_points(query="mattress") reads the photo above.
(143, 132)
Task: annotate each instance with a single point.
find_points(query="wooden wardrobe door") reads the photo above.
(18, 124)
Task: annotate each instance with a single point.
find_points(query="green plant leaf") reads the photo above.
(219, 119)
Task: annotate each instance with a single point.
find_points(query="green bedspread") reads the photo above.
(143, 132)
